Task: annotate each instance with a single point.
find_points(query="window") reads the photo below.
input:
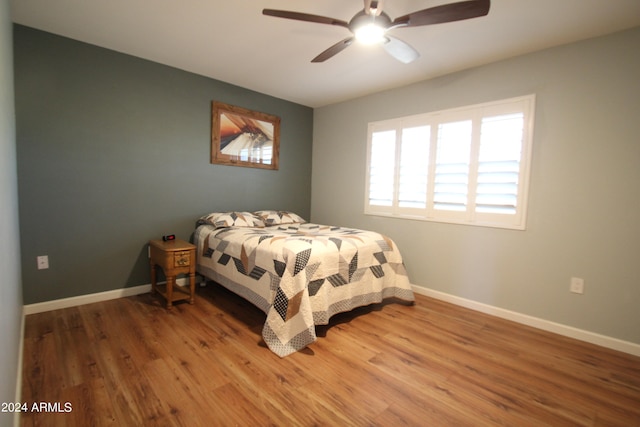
(467, 165)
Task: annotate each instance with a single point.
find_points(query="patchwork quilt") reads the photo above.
(300, 274)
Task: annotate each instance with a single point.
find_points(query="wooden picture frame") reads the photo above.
(241, 137)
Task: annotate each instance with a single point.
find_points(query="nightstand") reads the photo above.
(174, 257)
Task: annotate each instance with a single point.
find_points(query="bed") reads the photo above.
(299, 273)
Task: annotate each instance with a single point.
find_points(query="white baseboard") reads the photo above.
(546, 325)
(41, 307)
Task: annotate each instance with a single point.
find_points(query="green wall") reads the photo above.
(584, 196)
(114, 150)
(10, 288)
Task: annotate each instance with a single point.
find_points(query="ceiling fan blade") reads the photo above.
(400, 50)
(445, 13)
(298, 16)
(333, 50)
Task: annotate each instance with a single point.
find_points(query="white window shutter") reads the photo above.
(382, 168)
(467, 165)
(499, 164)
(414, 160)
(451, 186)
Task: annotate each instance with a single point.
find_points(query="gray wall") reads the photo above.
(10, 287)
(584, 197)
(114, 150)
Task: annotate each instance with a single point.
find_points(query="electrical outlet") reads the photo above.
(43, 262)
(577, 285)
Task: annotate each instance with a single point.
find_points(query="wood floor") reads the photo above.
(129, 362)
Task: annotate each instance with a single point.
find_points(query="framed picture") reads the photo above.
(241, 137)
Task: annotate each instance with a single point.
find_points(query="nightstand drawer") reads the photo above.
(182, 258)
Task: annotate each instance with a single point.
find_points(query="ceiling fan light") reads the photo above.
(370, 34)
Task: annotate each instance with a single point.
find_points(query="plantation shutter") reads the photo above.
(453, 155)
(382, 168)
(467, 165)
(414, 159)
(499, 164)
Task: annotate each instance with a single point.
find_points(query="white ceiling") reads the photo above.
(231, 41)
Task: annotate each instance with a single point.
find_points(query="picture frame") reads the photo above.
(242, 137)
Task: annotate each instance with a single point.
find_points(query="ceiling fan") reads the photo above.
(371, 25)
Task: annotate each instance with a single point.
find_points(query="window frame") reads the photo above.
(522, 104)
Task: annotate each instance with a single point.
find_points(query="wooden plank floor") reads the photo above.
(129, 362)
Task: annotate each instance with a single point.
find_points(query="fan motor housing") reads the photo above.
(361, 19)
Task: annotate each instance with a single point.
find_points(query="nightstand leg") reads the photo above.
(192, 287)
(153, 278)
(170, 281)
